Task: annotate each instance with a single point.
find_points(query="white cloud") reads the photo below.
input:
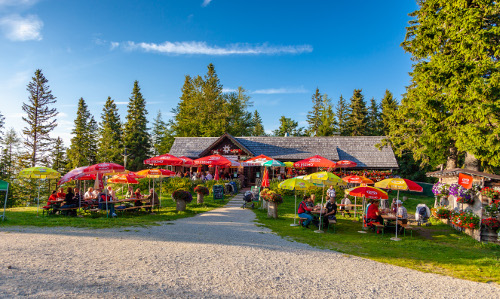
(121, 103)
(17, 28)
(5, 3)
(206, 3)
(228, 90)
(202, 48)
(282, 90)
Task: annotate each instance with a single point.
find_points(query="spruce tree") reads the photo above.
(389, 107)
(374, 119)
(135, 133)
(314, 116)
(79, 150)
(213, 116)
(185, 122)
(158, 131)
(357, 121)
(110, 134)
(341, 116)
(327, 118)
(288, 125)
(58, 157)
(257, 127)
(93, 137)
(10, 150)
(40, 119)
(239, 120)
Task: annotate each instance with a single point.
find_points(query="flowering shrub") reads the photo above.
(182, 195)
(489, 192)
(493, 208)
(440, 189)
(201, 190)
(491, 223)
(465, 219)
(274, 197)
(463, 195)
(263, 194)
(443, 213)
(468, 200)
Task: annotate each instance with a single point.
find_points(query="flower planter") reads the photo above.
(199, 198)
(180, 205)
(265, 204)
(272, 210)
(489, 235)
(474, 233)
(486, 200)
(445, 221)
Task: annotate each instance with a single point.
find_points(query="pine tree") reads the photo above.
(40, 118)
(135, 133)
(239, 120)
(2, 123)
(213, 115)
(93, 137)
(341, 116)
(10, 145)
(257, 127)
(157, 134)
(357, 121)
(79, 150)
(314, 116)
(374, 125)
(389, 107)
(185, 122)
(110, 134)
(58, 156)
(287, 125)
(327, 118)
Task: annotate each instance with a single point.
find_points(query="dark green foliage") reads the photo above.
(257, 127)
(58, 160)
(80, 150)
(110, 147)
(374, 119)
(341, 116)
(2, 123)
(161, 136)
(358, 115)
(389, 107)
(287, 125)
(239, 120)
(327, 118)
(314, 116)
(135, 133)
(40, 118)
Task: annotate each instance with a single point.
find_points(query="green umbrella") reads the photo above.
(273, 163)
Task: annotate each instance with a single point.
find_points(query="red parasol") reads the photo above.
(355, 179)
(72, 175)
(187, 161)
(265, 178)
(368, 192)
(154, 173)
(216, 177)
(315, 161)
(128, 178)
(104, 168)
(213, 160)
(165, 159)
(346, 164)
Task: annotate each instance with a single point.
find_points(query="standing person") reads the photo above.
(345, 202)
(331, 210)
(304, 212)
(331, 192)
(209, 176)
(112, 193)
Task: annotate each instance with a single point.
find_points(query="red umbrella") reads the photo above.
(355, 179)
(216, 177)
(187, 161)
(104, 168)
(128, 178)
(368, 192)
(315, 161)
(258, 160)
(346, 164)
(166, 159)
(265, 178)
(213, 160)
(71, 175)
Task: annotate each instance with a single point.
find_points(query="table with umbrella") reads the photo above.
(354, 179)
(296, 184)
(155, 174)
(273, 163)
(39, 173)
(367, 192)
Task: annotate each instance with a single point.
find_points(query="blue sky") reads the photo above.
(279, 51)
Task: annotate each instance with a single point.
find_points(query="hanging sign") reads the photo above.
(465, 180)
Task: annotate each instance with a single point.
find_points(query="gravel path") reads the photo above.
(217, 254)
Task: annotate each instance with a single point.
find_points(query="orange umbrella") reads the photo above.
(123, 179)
(155, 173)
(315, 161)
(355, 179)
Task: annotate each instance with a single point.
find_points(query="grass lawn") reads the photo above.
(437, 248)
(26, 216)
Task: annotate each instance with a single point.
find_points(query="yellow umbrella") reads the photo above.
(295, 184)
(39, 173)
(288, 164)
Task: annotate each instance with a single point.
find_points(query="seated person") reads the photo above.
(51, 201)
(138, 195)
(69, 201)
(331, 210)
(104, 203)
(402, 214)
(153, 199)
(345, 208)
(60, 194)
(89, 197)
(373, 213)
(130, 193)
(305, 212)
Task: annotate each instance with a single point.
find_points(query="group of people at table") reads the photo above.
(311, 212)
(103, 199)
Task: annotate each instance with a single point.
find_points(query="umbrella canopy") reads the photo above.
(346, 164)
(399, 184)
(216, 176)
(265, 178)
(187, 161)
(258, 160)
(155, 173)
(39, 173)
(273, 163)
(315, 161)
(104, 169)
(288, 164)
(367, 192)
(71, 175)
(214, 160)
(165, 159)
(123, 179)
(323, 178)
(355, 179)
(296, 184)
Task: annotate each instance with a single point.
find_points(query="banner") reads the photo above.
(465, 180)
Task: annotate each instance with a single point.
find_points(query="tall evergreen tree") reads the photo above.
(40, 119)
(357, 120)
(374, 125)
(327, 118)
(58, 156)
(239, 120)
(158, 131)
(341, 116)
(314, 116)
(93, 138)
(79, 152)
(185, 122)
(2, 123)
(389, 107)
(110, 134)
(135, 133)
(10, 150)
(257, 127)
(288, 125)
(213, 116)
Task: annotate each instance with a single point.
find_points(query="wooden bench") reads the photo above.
(378, 225)
(405, 228)
(67, 209)
(332, 223)
(301, 221)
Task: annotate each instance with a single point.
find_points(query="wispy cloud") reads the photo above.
(283, 90)
(206, 3)
(5, 3)
(121, 103)
(228, 90)
(202, 48)
(17, 28)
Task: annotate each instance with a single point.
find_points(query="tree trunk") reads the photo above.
(471, 162)
(272, 210)
(199, 198)
(452, 158)
(180, 205)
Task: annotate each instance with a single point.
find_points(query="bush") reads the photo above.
(201, 190)
(274, 197)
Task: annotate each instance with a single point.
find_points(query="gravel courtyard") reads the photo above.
(217, 254)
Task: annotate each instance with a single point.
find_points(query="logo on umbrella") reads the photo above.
(371, 192)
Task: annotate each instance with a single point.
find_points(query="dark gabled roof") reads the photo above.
(206, 152)
(455, 171)
(360, 149)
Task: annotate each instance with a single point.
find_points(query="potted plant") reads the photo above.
(491, 223)
(181, 197)
(274, 200)
(443, 213)
(493, 208)
(263, 194)
(488, 195)
(201, 191)
(441, 192)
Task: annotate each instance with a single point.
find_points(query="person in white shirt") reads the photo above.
(402, 214)
(331, 192)
(344, 208)
(209, 176)
(89, 195)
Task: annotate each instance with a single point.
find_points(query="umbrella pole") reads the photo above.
(38, 201)
(321, 212)
(295, 218)
(5, 202)
(355, 203)
(153, 198)
(396, 238)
